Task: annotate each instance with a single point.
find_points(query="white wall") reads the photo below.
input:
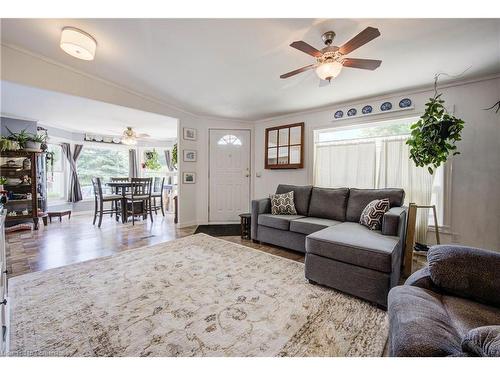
(475, 208)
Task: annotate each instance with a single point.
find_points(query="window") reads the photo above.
(56, 177)
(375, 155)
(230, 140)
(100, 162)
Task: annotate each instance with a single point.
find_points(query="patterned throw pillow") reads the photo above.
(282, 204)
(373, 213)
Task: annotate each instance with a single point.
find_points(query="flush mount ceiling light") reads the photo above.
(78, 43)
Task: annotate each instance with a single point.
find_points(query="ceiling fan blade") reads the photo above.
(324, 83)
(362, 38)
(297, 71)
(306, 48)
(362, 63)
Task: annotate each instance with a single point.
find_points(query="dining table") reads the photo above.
(121, 187)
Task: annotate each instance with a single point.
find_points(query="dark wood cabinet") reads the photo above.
(285, 147)
(26, 186)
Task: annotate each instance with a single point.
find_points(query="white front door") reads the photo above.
(229, 174)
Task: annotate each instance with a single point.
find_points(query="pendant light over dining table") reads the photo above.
(78, 43)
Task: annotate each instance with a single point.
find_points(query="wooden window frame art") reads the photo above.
(288, 146)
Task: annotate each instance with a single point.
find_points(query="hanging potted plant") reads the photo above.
(152, 161)
(434, 135)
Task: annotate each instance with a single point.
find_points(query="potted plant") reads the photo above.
(35, 141)
(21, 138)
(7, 144)
(152, 160)
(3, 181)
(434, 135)
(174, 156)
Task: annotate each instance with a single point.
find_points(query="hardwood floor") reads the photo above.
(76, 240)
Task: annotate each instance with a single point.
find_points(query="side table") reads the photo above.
(245, 225)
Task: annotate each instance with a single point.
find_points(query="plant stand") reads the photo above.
(410, 235)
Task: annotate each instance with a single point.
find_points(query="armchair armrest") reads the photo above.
(422, 279)
(466, 271)
(394, 222)
(259, 206)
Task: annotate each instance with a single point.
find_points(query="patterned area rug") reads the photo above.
(196, 296)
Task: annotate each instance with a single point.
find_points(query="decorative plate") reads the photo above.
(338, 114)
(352, 112)
(405, 103)
(367, 109)
(386, 106)
(116, 140)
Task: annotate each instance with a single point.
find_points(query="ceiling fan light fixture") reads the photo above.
(329, 70)
(129, 137)
(78, 43)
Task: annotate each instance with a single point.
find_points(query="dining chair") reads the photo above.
(116, 189)
(157, 192)
(140, 192)
(100, 199)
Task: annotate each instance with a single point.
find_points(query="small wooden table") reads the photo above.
(59, 214)
(245, 226)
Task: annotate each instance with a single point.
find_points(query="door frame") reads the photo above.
(250, 179)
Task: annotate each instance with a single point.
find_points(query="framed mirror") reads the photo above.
(284, 147)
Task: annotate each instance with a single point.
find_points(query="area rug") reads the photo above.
(196, 296)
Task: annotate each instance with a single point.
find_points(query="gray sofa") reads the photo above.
(449, 308)
(340, 252)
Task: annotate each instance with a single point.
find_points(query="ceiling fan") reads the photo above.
(129, 136)
(331, 59)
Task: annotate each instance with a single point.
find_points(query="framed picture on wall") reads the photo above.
(189, 155)
(189, 177)
(189, 134)
(285, 147)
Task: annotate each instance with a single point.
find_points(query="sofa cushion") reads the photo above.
(483, 341)
(283, 204)
(467, 272)
(328, 203)
(302, 194)
(277, 221)
(359, 198)
(355, 244)
(308, 225)
(420, 325)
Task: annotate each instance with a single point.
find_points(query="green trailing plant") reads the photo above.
(434, 135)
(174, 156)
(7, 144)
(3, 180)
(152, 160)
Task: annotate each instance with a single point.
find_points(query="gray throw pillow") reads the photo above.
(373, 213)
(483, 341)
(283, 204)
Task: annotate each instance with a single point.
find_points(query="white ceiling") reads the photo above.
(81, 115)
(230, 67)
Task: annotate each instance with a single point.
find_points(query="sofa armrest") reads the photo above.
(422, 279)
(394, 221)
(259, 206)
(466, 272)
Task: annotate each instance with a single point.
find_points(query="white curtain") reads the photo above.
(381, 163)
(397, 170)
(346, 164)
